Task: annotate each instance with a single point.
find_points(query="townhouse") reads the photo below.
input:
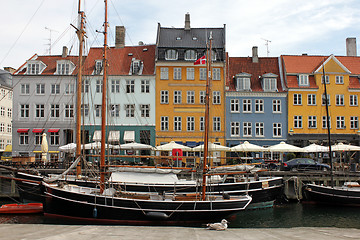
(6, 100)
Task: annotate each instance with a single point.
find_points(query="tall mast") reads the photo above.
(81, 33)
(103, 105)
(207, 111)
(328, 127)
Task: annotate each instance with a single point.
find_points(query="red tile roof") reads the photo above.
(245, 65)
(119, 59)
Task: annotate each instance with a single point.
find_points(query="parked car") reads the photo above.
(303, 164)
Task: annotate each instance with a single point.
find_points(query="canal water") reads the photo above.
(280, 216)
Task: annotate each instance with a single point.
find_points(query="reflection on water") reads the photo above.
(281, 216)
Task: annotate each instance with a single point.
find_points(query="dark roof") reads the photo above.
(245, 65)
(193, 38)
(5, 78)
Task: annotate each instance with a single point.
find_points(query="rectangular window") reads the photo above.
(190, 123)
(259, 129)
(276, 106)
(202, 73)
(145, 86)
(85, 86)
(39, 110)
(259, 105)
(339, 79)
(190, 97)
(270, 84)
(54, 138)
(164, 97)
(34, 68)
(216, 124)
(2, 127)
(24, 110)
(354, 122)
(340, 122)
(115, 86)
(277, 130)
(247, 105)
(298, 122)
(177, 97)
(85, 110)
(24, 138)
(327, 79)
(40, 88)
(164, 124)
(9, 113)
(202, 97)
(190, 73)
(216, 97)
(2, 111)
(69, 88)
(177, 123)
(69, 111)
(312, 122)
(25, 89)
(130, 86)
(297, 99)
(130, 110)
(145, 110)
(243, 83)
(234, 106)
(216, 74)
(235, 129)
(324, 122)
(114, 110)
(9, 128)
(353, 100)
(97, 110)
(324, 99)
(38, 138)
(339, 98)
(303, 80)
(98, 86)
(55, 89)
(177, 73)
(247, 129)
(202, 124)
(63, 68)
(311, 99)
(164, 73)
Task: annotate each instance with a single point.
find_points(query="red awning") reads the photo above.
(53, 130)
(23, 130)
(37, 130)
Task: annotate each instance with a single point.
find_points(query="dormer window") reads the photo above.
(243, 82)
(64, 67)
(303, 80)
(98, 67)
(190, 55)
(35, 67)
(269, 82)
(213, 55)
(171, 54)
(136, 67)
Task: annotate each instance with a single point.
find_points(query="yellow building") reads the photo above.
(307, 103)
(181, 85)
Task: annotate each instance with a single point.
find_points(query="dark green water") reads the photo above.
(281, 216)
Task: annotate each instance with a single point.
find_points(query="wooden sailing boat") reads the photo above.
(349, 194)
(101, 205)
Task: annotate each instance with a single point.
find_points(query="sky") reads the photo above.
(290, 27)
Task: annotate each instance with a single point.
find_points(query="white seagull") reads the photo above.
(218, 226)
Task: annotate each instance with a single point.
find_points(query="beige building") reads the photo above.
(6, 102)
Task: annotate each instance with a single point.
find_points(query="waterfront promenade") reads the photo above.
(77, 232)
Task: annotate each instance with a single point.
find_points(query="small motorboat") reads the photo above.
(29, 208)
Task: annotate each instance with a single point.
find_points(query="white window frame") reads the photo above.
(339, 79)
(216, 97)
(234, 106)
(311, 99)
(164, 97)
(190, 97)
(277, 129)
(297, 99)
(340, 122)
(190, 123)
(115, 86)
(216, 124)
(298, 121)
(324, 122)
(40, 89)
(353, 100)
(164, 73)
(145, 110)
(177, 97)
(276, 106)
(203, 73)
(130, 110)
(55, 89)
(145, 86)
(164, 123)
(259, 106)
(25, 89)
(216, 74)
(171, 54)
(312, 122)
(354, 122)
(303, 80)
(235, 129)
(246, 106)
(259, 129)
(247, 129)
(190, 73)
(177, 124)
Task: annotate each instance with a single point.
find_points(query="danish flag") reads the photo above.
(201, 60)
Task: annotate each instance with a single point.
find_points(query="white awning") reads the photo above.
(114, 136)
(97, 136)
(129, 136)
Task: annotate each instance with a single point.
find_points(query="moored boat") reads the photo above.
(29, 208)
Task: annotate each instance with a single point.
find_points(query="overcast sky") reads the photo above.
(315, 27)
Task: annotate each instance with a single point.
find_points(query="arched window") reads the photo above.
(190, 55)
(171, 54)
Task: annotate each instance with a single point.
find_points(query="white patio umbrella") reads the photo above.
(344, 147)
(212, 148)
(172, 145)
(95, 145)
(312, 148)
(284, 147)
(247, 147)
(70, 148)
(44, 148)
(133, 146)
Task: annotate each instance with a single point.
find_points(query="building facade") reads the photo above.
(6, 109)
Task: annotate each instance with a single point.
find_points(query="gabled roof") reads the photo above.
(193, 38)
(119, 59)
(50, 62)
(332, 57)
(266, 65)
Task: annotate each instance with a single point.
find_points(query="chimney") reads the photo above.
(64, 52)
(119, 37)
(351, 47)
(187, 21)
(255, 58)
